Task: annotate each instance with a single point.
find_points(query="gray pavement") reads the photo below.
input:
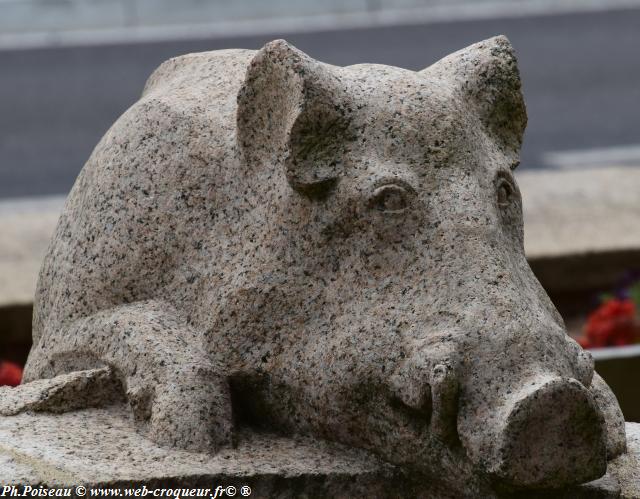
(581, 75)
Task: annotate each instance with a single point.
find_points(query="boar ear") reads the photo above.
(289, 114)
(486, 74)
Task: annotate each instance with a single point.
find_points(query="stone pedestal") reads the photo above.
(100, 448)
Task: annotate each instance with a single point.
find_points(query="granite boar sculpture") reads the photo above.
(334, 251)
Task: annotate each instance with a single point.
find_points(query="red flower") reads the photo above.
(10, 374)
(611, 324)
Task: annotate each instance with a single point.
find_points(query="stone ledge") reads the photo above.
(581, 226)
(26, 226)
(580, 212)
(99, 448)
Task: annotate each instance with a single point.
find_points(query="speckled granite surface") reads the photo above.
(626, 468)
(97, 447)
(100, 447)
(336, 252)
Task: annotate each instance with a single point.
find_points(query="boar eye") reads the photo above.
(505, 192)
(390, 198)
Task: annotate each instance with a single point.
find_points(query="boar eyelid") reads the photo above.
(391, 198)
(393, 182)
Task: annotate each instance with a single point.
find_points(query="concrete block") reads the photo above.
(26, 227)
(580, 212)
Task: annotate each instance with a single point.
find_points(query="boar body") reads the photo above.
(329, 251)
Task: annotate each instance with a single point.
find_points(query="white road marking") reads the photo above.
(627, 155)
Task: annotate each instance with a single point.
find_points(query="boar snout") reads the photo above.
(548, 434)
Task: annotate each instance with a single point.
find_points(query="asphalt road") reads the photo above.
(581, 76)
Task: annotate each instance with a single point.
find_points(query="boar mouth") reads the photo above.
(430, 398)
